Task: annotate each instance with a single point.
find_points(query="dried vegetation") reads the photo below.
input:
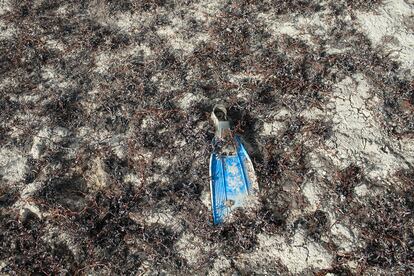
(127, 117)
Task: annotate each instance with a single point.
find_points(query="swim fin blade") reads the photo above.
(233, 181)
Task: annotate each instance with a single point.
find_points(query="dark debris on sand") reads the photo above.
(101, 136)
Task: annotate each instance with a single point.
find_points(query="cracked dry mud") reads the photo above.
(105, 136)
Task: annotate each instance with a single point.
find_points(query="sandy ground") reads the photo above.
(105, 136)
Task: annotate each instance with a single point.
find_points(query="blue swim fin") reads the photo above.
(233, 181)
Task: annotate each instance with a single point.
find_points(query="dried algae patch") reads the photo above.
(298, 254)
(358, 134)
(192, 249)
(105, 136)
(12, 165)
(389, 27)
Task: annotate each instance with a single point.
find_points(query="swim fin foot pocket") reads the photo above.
(233, 182)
